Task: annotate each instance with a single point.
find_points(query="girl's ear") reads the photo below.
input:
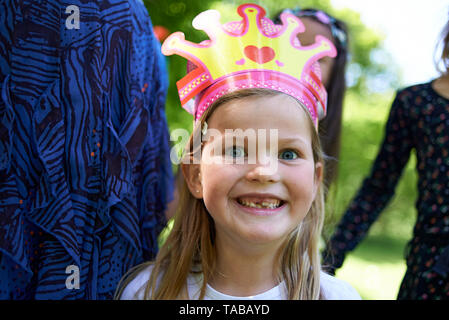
(192, 175)
(318, 177)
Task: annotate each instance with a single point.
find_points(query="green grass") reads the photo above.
(375, 268)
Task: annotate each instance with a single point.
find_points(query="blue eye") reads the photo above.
(288, 155)
(235, 152)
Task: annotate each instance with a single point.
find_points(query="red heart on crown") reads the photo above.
(259, 55)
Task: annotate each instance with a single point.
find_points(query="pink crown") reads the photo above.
(251, 53)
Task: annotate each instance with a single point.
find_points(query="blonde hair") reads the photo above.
(191, 240)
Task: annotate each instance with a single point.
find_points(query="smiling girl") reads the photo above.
(243, 231)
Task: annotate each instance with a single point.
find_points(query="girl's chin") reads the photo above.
(263, 234)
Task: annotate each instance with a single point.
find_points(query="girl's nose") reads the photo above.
(263, 173)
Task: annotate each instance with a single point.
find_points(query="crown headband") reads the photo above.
(251, 53)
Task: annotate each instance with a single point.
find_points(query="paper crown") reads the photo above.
(251, 53)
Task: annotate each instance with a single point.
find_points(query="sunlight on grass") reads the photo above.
(378, 281)
(375, 269)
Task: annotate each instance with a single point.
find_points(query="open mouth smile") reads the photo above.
(260, 205)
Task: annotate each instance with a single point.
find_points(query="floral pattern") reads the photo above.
(419, 119)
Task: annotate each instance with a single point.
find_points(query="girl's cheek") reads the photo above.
(302, 184)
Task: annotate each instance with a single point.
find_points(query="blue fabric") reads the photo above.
(85, 172)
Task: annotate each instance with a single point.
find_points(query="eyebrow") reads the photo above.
(293, 140)
(281, 140)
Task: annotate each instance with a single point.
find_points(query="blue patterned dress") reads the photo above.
(85, 173)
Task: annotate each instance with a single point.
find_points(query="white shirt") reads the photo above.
(331, 287)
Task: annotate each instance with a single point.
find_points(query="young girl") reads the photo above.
(244, 231)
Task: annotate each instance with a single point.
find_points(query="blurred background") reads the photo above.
(392, 45)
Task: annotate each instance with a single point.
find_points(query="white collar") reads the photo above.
(276, 293)
(194, 282)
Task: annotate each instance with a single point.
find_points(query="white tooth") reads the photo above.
(271, 204)
(264, 204)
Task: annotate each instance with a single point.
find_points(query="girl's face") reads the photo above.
(314, 28)
(248, 203)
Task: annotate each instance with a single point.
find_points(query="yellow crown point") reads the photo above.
(209, 22)
(228, 52)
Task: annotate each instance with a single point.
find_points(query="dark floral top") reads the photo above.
(85, 172)
(419, 119)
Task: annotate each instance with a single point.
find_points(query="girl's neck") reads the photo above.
(441, 86)
(244, 271)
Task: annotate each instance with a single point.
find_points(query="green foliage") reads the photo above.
(363, 132)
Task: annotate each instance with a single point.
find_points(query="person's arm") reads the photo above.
(377, 189)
